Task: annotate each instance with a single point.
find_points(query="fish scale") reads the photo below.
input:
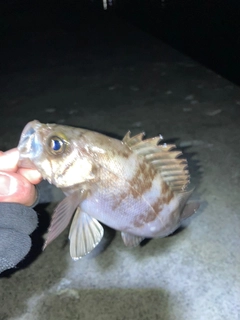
(135, 186)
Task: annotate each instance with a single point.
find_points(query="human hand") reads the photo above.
(17, 184)
(17, 219)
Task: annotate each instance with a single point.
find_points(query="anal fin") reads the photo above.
(131, 240)
(85, 234)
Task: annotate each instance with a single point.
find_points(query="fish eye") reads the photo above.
(56, 145)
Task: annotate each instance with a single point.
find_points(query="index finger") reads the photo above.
(31, 175)
(9, 160)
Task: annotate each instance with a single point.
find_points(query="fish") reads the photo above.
(135, 185)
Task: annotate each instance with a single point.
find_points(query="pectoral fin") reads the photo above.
(85, 233)
(131, 240)
(63, 214)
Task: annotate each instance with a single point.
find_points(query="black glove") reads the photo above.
(17, 222)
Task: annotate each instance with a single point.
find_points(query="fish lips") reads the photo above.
(29, 146)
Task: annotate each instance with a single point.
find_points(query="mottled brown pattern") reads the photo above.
(168, 196)
(165, 187)
(157, 206)
(125, 154)
(165, 198)
(139, 221)
(170, 223)
(138, 185)
(167, 193)
(153, 212)
(142, 180)
(121, 197)
(151, 216)
(142, 219)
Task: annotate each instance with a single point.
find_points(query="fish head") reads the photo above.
(56, 152)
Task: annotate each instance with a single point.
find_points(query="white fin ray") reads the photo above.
(166, 162)
(85, 234)
(174, 178)
(156, 155)
(127, 137)
(134, 140)
(175, 173)
(131, 240)
(167, 147)
(63, 214)
(172, 170)
(147, 143)
(177, 188)
(173, 167)
(177, 184)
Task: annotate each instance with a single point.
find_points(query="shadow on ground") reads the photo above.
(107, 304)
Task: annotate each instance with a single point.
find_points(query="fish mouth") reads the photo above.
(29, 146)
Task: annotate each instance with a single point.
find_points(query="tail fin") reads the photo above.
(189, 209)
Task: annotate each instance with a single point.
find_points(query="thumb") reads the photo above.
(16, 188)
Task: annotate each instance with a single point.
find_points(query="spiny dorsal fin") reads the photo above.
(173, 170)
(134, 140)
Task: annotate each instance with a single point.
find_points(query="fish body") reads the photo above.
(135, 186)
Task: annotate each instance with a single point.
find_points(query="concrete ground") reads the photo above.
(111, 77)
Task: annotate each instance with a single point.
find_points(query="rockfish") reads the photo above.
(135, 186)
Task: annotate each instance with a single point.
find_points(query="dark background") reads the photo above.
(71, 62)
(206, 30)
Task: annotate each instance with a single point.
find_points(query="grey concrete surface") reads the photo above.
(113, 78)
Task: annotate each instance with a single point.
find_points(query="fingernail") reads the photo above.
(8, 185)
